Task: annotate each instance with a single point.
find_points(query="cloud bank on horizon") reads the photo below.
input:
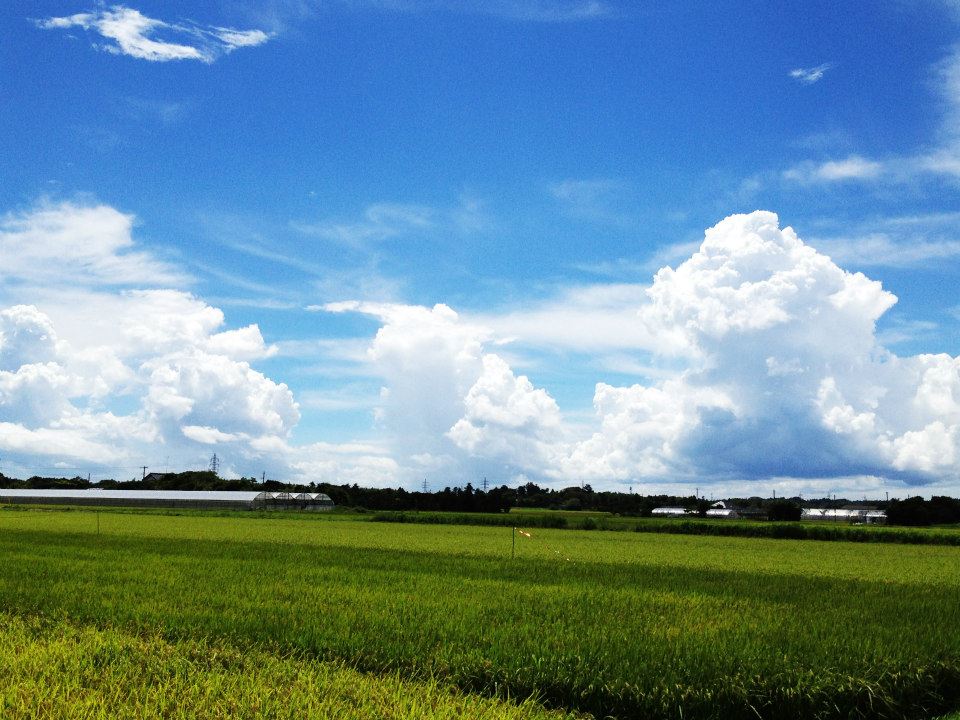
(777, 373)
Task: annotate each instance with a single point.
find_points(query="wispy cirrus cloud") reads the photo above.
(939, 159)
(902, 331)
(902, 241)
(279, 14)
(630, 270)
(852, 167)
(380, 221)
(808, 76)
(385, 220)
(882, 250)
(164, 112)
(597, 199)
(126, 31)
(545, 10)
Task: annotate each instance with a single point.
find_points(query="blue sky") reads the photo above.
(226, 227)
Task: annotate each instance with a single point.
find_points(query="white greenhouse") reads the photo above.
(722, 513)
(199, 499)
(669, 512)
(315, 502)
(844, 515)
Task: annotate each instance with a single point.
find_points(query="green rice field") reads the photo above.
(52, 668)
(440, 621)
(585, 520)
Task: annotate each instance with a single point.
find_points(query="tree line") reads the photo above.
(915, 511)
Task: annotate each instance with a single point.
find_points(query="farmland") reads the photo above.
(52, 668)
(624, 624)
(949, 535)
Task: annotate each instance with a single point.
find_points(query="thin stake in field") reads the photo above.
(513, 541)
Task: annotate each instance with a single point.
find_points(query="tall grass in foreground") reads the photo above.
(623, 624)
(52, 669)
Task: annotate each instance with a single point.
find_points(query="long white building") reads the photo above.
(200, 499)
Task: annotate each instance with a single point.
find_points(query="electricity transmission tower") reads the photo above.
(215, 464)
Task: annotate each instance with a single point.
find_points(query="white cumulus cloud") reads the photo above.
(506, 417)
(201, 390)
(98, 372)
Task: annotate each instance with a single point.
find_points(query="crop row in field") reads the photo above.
(611, 623)
(52, 668)
(699, 526)
(577, 520)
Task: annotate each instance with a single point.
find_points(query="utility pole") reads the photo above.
(144, 468)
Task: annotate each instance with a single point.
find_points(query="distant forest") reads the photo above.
(914, 511)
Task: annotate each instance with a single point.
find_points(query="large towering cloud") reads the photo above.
(781, 376)
(764, 321)
(785, 375)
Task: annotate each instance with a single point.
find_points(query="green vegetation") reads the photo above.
(695, 526)
(55, 669)
(622, 624)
